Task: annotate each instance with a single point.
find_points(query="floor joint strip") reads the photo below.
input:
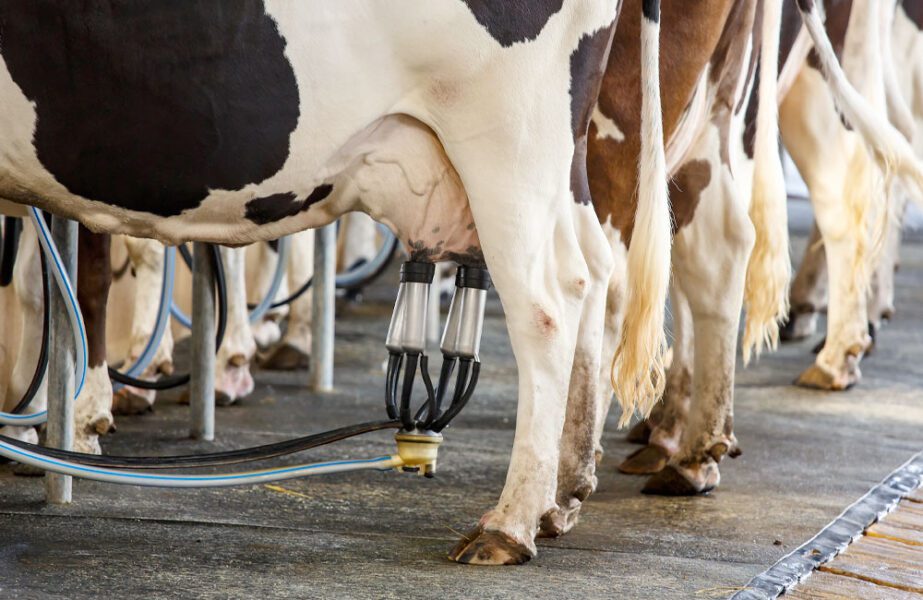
(796, 566)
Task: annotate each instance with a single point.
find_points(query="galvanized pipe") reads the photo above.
(60, 427)
(323, 309)
(202, 363)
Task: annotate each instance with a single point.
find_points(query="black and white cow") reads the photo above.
(228, 121)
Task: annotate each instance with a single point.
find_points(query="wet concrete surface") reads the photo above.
(807, 455)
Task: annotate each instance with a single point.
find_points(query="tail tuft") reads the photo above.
(769, 271)
(637, 371)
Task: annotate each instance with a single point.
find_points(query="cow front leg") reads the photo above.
(710, 261)
(809, 291)
(668, 419)
(294, 350)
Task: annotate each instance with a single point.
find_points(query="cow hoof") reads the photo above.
(558, 521)
(563, 517)
(645, 461)
(125, 402)
(22, 470)
(490, 548)
(640, 433)
(672, 482)
(285, 358)
(818, 378)
(103, 426)
(223, 399)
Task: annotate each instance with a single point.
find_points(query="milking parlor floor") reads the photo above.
(807, 455)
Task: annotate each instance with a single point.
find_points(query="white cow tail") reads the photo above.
(891, 151)
(637, 372)
(769, 271)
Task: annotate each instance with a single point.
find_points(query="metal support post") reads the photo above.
(59, 430)
(323, 308)
(202, 363)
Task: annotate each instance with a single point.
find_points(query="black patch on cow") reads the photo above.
(914, 10)
(792, 22)
(806, 5)
(587, 66)
(838, 13)
(753, 109)
(149, 105)
(651, 10)
(276, 207)
(836, 24)
(512, 21)
(9, 248)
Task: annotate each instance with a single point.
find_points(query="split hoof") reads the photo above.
(817, 378)
(565, 516)
(558, 521)
(640, 433)
(671, 482)
(285, 358)
(125, 402)
(490, 548)
(645, 461)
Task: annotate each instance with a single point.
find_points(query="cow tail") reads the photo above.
(769, 270)
(900, 113)
(890, 150)
(637, 371)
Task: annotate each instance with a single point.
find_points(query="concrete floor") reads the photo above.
(807, 455)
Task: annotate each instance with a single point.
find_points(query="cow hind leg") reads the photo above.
(710, 261)
(665, 425)
(839, 184)
(809, 291)
(579, 440)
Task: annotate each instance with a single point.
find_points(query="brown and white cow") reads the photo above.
(902, 82)
(684, 413)
(726, 198)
